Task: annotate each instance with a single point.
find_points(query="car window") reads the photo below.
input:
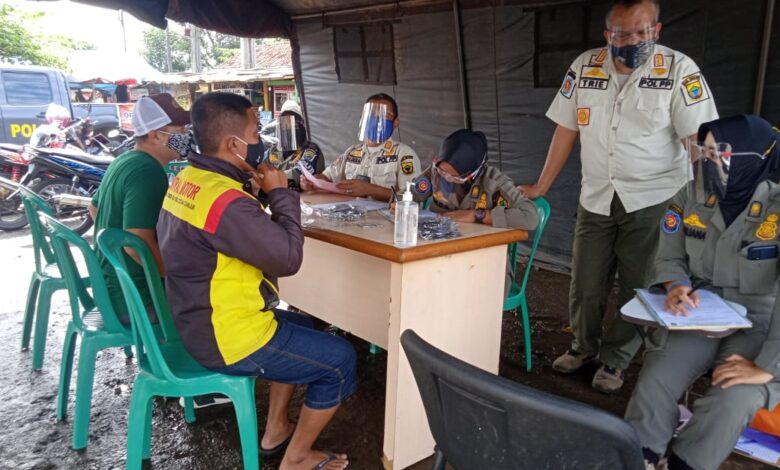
(27, 88)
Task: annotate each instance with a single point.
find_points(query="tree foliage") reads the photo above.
(20, 43)
(216, 48)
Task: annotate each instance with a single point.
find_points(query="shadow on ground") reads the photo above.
(31, 439)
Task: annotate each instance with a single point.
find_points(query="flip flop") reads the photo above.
(330, 458)
(275, 450)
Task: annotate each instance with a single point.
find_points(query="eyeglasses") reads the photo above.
(643, 34)
(719, 152)
(465, 178)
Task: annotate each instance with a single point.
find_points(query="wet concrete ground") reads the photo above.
(31, 439)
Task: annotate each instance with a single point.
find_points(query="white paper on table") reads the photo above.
(324, 185)
(712, 312)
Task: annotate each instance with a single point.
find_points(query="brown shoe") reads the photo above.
(572, 361)
(608, 379)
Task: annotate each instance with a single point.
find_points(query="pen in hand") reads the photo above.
(393, 197)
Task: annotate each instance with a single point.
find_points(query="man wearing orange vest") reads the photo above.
(223, 253)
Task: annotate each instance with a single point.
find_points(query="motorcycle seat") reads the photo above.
(77, 155)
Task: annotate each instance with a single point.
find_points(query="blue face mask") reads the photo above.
(376, 124)
(633, 55)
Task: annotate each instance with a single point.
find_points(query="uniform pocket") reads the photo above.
(756, 276)
(645, 117)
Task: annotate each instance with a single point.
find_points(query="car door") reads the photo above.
(27, 94)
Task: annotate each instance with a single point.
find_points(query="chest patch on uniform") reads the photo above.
(387, 159)
(768, 228)
(568, 84)
(407, 167)
(355, 156)
(755, 209)
(659, 76)
(482, 204)
(598, 60)
(498, 200)
(693, 89)
(583, 116)
(711, 200)
(671, 223)
(694, 221)
(593, 78)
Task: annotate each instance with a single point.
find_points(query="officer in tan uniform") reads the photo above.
(721, 233)
(370, 168)
(466, 189)
(293, 148)
(631, 104)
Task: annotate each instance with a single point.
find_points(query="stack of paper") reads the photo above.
(713, 313)
(759, 446)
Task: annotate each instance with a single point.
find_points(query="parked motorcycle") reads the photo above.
(13, 167)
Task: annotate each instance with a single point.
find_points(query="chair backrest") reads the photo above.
(34, 205)
(112, 243)
(62, 240)
(543, 210)
(480, 420)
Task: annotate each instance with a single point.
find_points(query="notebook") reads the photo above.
(713, 313)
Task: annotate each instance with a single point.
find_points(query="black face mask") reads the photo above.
(254, 153)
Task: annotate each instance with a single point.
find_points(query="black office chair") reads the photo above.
(482, 421)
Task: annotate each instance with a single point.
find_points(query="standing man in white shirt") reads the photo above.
(632, 104)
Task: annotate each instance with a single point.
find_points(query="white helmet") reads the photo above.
(292, 105)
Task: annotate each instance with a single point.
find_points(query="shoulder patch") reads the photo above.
(693, 89)
(422, 185)
(672, 222)
(309, 154)
(407, 167)
(569, 82)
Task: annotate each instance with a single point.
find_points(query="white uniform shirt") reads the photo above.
(389, 164)
(631, 135)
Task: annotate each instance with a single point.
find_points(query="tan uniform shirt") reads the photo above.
(631, 135)
(390, 164)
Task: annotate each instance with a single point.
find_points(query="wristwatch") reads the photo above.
(479, 215)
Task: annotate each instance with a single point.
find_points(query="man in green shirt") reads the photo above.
(132, 191)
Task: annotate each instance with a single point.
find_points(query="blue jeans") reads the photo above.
(299, 354)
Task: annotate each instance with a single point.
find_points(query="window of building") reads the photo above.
(364, 54)
(26, 88)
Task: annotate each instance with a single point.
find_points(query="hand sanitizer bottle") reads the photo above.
(406, 220)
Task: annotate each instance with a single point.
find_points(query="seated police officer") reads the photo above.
(293, 148)
(371, 167)
(721, 233)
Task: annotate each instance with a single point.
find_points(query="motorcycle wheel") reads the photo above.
(12, 216)
(77, 219)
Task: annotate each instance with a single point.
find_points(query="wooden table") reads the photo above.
(450, 292)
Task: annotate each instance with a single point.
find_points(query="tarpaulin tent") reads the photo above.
(495, 65)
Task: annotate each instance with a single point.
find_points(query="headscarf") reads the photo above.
(745, 133)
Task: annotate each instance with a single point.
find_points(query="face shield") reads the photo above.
(376, 123)
(449, 190)
(632, 47)
(290, 132)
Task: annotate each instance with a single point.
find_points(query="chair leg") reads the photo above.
(66, 370)
(29, 310)
(439, 462)
(526, 334)
(147, 443)
(41, 324)
(128, 352)
(139, 424)
(84, 383)
(189, 410)
(246, 414)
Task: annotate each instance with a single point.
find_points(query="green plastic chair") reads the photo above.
(93, 321)
(46, 279)
(516, 297)
(166, 369)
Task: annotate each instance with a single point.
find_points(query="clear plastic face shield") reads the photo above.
(448, 189)
(632, 46)
(376, 123)
(290, 132)
(711, 164)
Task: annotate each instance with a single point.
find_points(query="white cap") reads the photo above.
(291, 105)
(148, 116)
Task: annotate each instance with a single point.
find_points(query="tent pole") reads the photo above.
(464, 91)
(762, 64)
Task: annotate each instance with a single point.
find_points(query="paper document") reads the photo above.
(712, 313)
(323, 185)
(367, 204)
(760, 446)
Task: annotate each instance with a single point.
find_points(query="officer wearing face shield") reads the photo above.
(632, 104)
(719, 233)
(371, 167)
(293, 149)
(464, 187)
